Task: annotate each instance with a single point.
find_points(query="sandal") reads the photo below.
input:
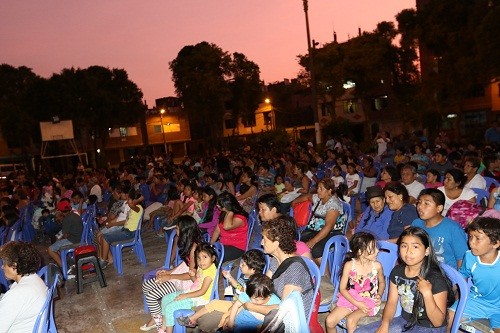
(145, 327)
(185, 321)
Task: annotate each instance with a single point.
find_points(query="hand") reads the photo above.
(180, 297)
(377, 300)
(363, 307)
(310, 244)
(382, 329)
(161, 272)
(226, 274)
(424, 286)
(192, 273)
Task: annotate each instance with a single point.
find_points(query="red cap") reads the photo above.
(63, 206)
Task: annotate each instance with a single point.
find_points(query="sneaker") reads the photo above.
(169, 227)
(185, 321)
(103, 263)
(71, 272)
(145, 327)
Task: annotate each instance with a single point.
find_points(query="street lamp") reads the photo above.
(162, 111)
(317, 129)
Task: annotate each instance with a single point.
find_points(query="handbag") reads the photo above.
(301, 212)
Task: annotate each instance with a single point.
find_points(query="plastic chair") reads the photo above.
(491, 181)
(457, 278)
(219, 249)
(333, 257)
(252, 219)
(348, 212)
(27, 229)
(387, 256)
(357, 196)
(45, 319)
(136, 244)
(15, 233)
(293, 309)
(316, 277)
(482, 196)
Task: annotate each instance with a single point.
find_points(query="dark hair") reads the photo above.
(189, 234)
(398, 188)
(259, 285)
(489, 225)
(271, 201)
(392, 171)
(435, 173)
(228, 201)
(458, 176)
(22, 256)
(437, 196)
(430, 269)
(255, 259)
(360, 242)
(279, 229)
(207, 248)
(45, 210)
(441, 151)
(475, 162)
(302, 166)
(77, 194)
(211, 203)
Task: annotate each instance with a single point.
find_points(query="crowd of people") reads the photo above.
(422, 199)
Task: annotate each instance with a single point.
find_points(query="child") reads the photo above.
(419, 284)
(259, 291)
(352, 180)
(184, 206)
(211, 212)
(251, 262)
(433, 179)
(361, 286)
(448, 238)
(337, 177)
(279, 185)
(481, 265)
(199, 294)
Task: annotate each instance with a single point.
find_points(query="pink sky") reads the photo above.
(143, 36)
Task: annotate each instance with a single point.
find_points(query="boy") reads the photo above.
(481, 265)
(259, 291)
(252, 262)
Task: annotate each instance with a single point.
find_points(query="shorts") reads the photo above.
(58, 245)
(474, 309)
(119, 235)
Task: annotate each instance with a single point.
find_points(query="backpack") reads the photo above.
(464, 211)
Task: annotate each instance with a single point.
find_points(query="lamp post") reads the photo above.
(162, 111)
(317, 128)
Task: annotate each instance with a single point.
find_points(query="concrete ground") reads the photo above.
(119, 306)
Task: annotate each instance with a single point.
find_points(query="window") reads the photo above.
(229, 123)
(156, 128)
(350, 106)
(123, 131)
(267, 118)
(249, 121)
(380, 103)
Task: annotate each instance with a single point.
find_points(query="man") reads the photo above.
(72, 229)
(409, 180)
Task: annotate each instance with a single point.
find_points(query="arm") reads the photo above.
(133, 204)
(215, 235)
(306, 182)
(330, 219)
(265, 309)
(183, 209)
(248, 194)
(435, 304)
(230, 222)
(491, 200)
(343, 288)
(233, 312)
(390, 308)
(381, 283)
(207, 283)
(303, 198)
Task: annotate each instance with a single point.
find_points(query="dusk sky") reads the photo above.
(143, 36)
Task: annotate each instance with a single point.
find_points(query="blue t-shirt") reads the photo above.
(401, 219)
(448, 239)
(247, 321)
(485, 279)
(375, 223)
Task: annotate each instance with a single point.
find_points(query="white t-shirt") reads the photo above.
(477, 182)
(466, 194)
(414, 188)
(382, 145)
(96, 190)
(350, 180)
(21, 304)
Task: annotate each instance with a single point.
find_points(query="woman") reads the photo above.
(327, 218)
(299, 181)
(269, 209)
(20, 305)
(454, 190)
(232, 228)
(248, 190)
(369, 174)
(403, 213)
(387, 175)
(166, 281)
(474, 180)
(376, 217)
(288, 274)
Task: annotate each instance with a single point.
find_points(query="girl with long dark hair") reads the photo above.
(211, 212)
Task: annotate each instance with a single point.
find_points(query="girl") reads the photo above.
(337, 176)
(198, 294)
(186, 205)
(211, 212)
(352, 179)
(166, 281)
(433, 177)
(361, 286)
(279, 186)
(420, 285)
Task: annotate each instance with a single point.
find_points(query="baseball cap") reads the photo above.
(63, 206)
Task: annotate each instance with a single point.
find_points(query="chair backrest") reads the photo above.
(15, 233)
(316, 277)
(137, 237)
(491, 181)
(482, 196)
(43, 320)
(219, 249)
(333, 254)
(347, 214)
(252, 219)
(457, 279)
(169, 239)
(387, 256)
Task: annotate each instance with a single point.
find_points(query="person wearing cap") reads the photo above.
(376, 217)
(72, 228)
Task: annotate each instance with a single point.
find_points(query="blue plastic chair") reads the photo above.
(70, 249)
(252, 219)
(348, 212)
(4, 283)
(316, 277)
(457, 279)
(387, 256)
(482, 196)
(45, 319)
(357, 196)
(219, 249)
(15, 233)
(333, 257)
(136, 244)
(27, 229)
(491, 181)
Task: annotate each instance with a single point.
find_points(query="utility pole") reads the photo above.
(310, 48)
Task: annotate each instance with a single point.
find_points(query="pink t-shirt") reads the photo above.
(235, 237)
(301, 248)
